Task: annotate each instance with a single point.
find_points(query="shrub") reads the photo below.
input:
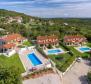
(89, 77)
(49, 46)
(64, 46)
(59, 58)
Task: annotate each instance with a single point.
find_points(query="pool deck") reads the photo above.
(23, 54)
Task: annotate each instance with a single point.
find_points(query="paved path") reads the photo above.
(77, 74)
(47, 79)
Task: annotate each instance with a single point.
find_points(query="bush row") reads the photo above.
(41, 51)
(66, 48)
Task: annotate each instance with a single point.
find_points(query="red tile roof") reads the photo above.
(74, 38)
(47, 39)
(7, 46)
(13, 37)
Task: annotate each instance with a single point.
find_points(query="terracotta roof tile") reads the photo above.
(74, 38)
(7, 46)
(13, 37)
(47, 39)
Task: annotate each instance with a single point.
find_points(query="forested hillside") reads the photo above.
(34, 26)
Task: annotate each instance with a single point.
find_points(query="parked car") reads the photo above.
(79, 59)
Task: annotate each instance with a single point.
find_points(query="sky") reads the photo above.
(50, 8)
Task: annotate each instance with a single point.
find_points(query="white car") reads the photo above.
(79, 59)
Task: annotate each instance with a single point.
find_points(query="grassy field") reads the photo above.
(11, 61)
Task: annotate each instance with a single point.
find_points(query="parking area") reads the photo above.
(77, 74)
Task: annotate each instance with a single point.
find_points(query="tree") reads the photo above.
(9, 76)
(89, 77)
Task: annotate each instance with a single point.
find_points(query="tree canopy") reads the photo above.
(9, 75)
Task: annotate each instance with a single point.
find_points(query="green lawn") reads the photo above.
(27, 43)
(64, 57)
(89, 44)
(11, 61)
(75, 52)
(62, 61)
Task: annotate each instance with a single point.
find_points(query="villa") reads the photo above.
(9, 42)
(49, 44)
(74, 40)
(44, 41)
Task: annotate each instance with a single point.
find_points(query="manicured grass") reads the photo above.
(62, 61)
(64, 56)
(11, 61)
(27, 43)
(74, 51)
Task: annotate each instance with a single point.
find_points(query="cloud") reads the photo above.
(16, 3)
(50, 8)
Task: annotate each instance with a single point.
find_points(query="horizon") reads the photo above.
(50, 8)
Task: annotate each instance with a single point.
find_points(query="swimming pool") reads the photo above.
(34, 59)
(84, 49)
(54, 51)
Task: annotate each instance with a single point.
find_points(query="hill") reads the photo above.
(33, 26)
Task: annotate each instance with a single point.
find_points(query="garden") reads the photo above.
(63, 61)
(27, 43)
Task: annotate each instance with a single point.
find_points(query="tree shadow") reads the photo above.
(83, 79)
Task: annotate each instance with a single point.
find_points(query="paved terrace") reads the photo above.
(47, 79)
(25, 60)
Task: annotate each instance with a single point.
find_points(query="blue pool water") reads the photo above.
(54, 51)
(33, 58)
(84, 49)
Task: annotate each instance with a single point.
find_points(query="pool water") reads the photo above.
(84, 49)
(33, 58)
(54, 51)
